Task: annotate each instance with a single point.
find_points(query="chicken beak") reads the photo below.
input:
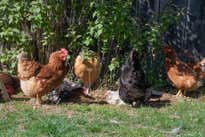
(202, 65)
(64, 58)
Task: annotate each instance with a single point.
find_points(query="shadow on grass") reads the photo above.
(78, 101)
(193, 94)
(88, 102)
(78, 98)
(158, 103)
(15, 99)
(197, 94)
(20, 98)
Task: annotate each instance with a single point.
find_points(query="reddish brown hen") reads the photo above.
(36, 80)
(183, 76)
(10, 83)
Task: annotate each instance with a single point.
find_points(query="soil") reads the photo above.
(98, 97)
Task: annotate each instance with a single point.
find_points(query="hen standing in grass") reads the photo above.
(87, 68)
(183, 76)
(37, 80)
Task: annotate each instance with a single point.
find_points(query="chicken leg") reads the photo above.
(86, 90)
(38, 100)
(87, 86)
(185, 91)
(179, 93)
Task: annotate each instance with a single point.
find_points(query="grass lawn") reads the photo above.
(19, 119)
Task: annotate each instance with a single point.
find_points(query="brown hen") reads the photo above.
(183, 76)
(9, 83)
(36, 80)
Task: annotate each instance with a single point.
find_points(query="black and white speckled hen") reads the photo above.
(67, 91)
(132, 80)
(133, 88)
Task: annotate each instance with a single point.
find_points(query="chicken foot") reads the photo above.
(37, 102)
(87, 87)
(86, 90)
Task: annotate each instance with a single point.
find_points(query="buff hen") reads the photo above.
(87, 69)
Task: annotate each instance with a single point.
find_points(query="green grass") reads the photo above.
(19, 119)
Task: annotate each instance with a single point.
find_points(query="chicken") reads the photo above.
(65, 92)
(69, 91)
(183, 76)
(87, 69)
(11, 83)
(199, 68)
(133, 88)
(132, 80)
(3, 92)
(36, 80)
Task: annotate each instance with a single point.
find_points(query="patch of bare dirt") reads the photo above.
(95, 97)
(98, 97)
(170, 97)
(7, 107)
(201, 99)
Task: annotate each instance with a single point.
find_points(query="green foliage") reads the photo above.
(111, 27)
(153, 35)
(25, 24)
(44, 17)
(11, 16)
(110, 21)
(113, 68)
(20, 21)
(9, 59)
(108, 27)
(88, 54)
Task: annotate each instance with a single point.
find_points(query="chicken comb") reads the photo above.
(64, 51)
(166, 45)
(169, 50)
